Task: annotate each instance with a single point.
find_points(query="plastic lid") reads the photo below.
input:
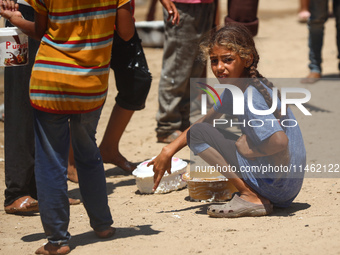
(10, 31)
(149, 24)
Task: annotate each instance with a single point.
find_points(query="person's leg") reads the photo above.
(336, 12)
(179, 65)
(215, 149)
(304, 13)
(109, 147)
(91, 174)
(245, 13)
(213, 157)
(72, 174)
(19, 133)
(319, 15)
(133, 81)
(150, 16)
(51, 155)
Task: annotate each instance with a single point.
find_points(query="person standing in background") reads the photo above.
(304, 14)
(316, 26)
(20, 193)
(181, 64)
(243, 12)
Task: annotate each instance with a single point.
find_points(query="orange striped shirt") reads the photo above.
(71, 70)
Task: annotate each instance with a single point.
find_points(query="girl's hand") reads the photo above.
(160, 164)
(9, 9)
(172, 11)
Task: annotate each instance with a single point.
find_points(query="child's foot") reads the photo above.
(303, 16)
(239, 207)
(106, 233)
(118, 160)
(311, 78)
(74, 201)
(53, 249)
(72, 174)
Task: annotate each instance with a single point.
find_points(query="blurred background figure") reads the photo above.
(180, 63)
(319, 10)
(244, 12)
(304, 13)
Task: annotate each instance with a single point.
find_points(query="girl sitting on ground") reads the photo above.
(234, 60)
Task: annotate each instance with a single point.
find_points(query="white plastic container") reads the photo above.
(174, 181)
(13, 47)
(151, 33)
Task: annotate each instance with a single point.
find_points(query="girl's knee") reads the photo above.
(198, 131)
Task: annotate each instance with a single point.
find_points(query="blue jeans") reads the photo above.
(52, 141)
(319, 15)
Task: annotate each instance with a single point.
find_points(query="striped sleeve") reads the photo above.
(122, 2)
(38, 5)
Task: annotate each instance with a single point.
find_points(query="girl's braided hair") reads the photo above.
(237, 38)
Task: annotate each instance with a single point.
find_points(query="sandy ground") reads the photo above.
(171, 223)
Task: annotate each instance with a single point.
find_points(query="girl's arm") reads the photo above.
(34, 29)
(124, 22)
(162, 162)
(276, 143)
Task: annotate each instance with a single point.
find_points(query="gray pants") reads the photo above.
(180, 63)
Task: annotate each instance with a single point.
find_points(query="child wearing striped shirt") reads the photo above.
(67, 90)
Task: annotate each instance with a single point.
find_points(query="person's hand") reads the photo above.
(9, 9)
(244, 146)
(160, 164)
(172, 11)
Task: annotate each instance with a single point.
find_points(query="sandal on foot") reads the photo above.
(106, 233)
(170, 138)
(50, 249)
(237, 207)
(23, 205)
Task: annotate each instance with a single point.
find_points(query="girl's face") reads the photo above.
(226, 63)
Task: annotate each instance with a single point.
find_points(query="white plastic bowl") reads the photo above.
(151, 33)
(170, 182)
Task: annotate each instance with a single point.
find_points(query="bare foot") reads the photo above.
(72, 174)
(74, 201)
(53, 249)
(303, 16)
(106, 233)
(311, 78)
(118, 160)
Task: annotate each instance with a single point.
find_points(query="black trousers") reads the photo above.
(19, 133)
